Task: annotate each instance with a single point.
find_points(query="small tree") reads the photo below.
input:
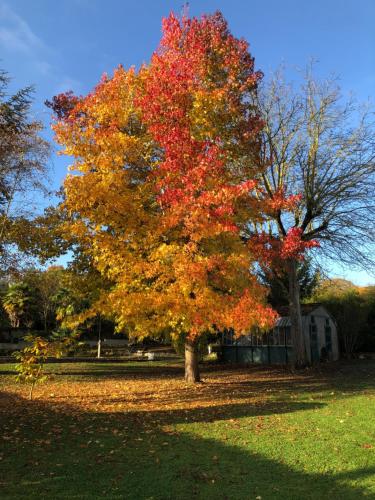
(32, 358)
(31, 361)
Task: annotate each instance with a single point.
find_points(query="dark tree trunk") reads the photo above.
(295, 314)
(191, 362)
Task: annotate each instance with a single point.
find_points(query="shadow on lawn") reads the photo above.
(341, 380)
(59, 451)
(131, 370)
(108, 369)
(340, 376)
(357, 370)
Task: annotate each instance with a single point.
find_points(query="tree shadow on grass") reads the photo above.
(134, 372)
(143, 370)
(228, 382)
(52, 450)
(342, 374)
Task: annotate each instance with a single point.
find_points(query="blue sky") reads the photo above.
(68, 44)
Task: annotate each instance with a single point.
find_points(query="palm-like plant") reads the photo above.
(18, 303)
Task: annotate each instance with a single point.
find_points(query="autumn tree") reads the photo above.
(163, 180)
(349, 308)
(320, 150)
(353, 308)
(23, 166)
(277, 282)
(19, 302)
(42, 237)
(47, 284)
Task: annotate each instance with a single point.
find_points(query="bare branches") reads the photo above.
(316, 145)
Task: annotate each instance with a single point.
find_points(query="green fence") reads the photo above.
(263, 355)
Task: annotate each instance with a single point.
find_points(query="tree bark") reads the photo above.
(298, 340)
(191, 362)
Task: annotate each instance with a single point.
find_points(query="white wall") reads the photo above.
(320, 316)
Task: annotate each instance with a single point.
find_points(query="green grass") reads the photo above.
(136, 431)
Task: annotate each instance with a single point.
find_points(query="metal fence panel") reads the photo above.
(265, 355)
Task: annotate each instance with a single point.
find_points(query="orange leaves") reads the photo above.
(161, 188)
(102, 130)
(249, 313)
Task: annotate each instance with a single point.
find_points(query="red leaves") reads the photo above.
(272, 251)
(293, 246)
(62, 104)
(261, 316)
(279, 201)
(198, 70)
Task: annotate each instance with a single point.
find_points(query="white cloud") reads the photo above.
(16, 34)
(68, 83)
(43, 67)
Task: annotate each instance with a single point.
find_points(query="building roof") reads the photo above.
(305, 309)
(283, 321)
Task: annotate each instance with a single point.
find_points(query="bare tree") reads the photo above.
(322, 148)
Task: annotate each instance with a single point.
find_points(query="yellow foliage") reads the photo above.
(163, 280)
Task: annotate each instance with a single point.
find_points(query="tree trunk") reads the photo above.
(191, 361)
(298, 340)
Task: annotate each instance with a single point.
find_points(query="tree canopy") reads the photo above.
(321, 147)
(165, 167)
(318, 152)
(23, 166)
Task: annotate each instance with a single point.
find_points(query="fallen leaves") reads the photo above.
(139, 393)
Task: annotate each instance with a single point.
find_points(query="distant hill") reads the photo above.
(336, 285)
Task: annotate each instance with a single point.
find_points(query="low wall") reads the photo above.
(11, 346)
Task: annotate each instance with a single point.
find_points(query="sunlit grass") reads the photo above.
(137, 431)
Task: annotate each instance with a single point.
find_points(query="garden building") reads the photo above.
(275, 347)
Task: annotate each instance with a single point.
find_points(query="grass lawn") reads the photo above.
(137, 431)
